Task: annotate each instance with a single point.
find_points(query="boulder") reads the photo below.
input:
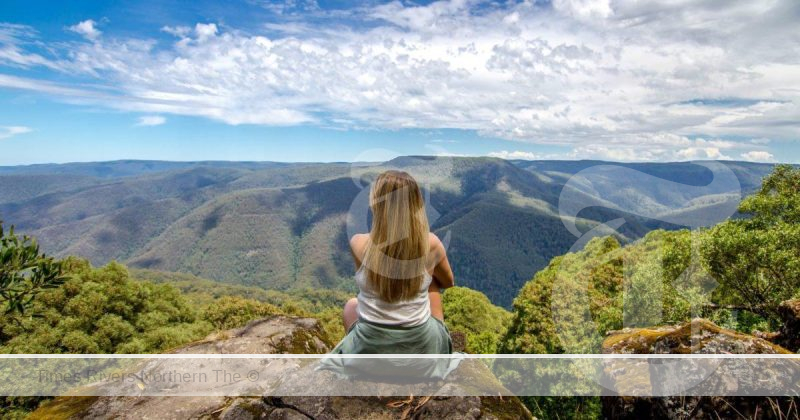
(789, 335)
(289, 335)
(699, 336)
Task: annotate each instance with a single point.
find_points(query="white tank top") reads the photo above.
(407, 313)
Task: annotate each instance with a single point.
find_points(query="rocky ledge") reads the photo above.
(699, 336)
(288, 335)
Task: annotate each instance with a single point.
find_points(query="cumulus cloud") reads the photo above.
(205, 30)
(179, 31)
(7, 132)
(758, 156)
(516, 154)
(86, 29)
(697, 153)
(151, 120)
(584, 9)
(659, 147)
(635, 80)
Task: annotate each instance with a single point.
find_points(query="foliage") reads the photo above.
(101, 310)
(757, 259)
(24, 271)
(233, 311)
(98, 310)
(564, 407)
(282, 226)
(203, 291)
(325, 305)
(661, 279)
(571, 278)
(471, 312)
(664, 278)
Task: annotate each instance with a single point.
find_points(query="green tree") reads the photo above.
(587, 281)
(756, 260)
(233, 311)
(101, 310)
(24, 271)
(471, 312)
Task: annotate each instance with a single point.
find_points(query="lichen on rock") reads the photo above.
(632, 377)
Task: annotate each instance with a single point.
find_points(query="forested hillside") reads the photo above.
(735, 274)
(282, 226)
(113, 309)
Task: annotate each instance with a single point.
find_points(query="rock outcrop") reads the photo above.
(288, 335)
(789, 335)
(696, 337)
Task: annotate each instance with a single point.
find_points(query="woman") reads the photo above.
(400, 268)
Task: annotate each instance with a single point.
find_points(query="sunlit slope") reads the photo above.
(283, 226)
(269, 237)
(649, 194)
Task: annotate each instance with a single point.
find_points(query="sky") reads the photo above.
(305, 80)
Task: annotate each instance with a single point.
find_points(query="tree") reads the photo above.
(470, 311)
(24, 271)
(756, 260)
(233, 311)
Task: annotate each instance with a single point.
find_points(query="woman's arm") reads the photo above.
(442, 273)
(357, 246)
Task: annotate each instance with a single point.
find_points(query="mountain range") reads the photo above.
(284, 226)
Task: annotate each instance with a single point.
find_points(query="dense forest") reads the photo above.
(735, 273)
(53, 306)
(282, 226)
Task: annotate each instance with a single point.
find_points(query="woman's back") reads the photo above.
(404, 313)
(372, 308)
(400, 269)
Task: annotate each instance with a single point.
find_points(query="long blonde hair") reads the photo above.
(397, 250)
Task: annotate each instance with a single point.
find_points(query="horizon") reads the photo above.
(389, 160)
(336, 81)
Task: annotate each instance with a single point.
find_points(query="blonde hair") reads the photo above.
(397, 248)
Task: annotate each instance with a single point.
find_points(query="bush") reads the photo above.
(233, 311)
(471, 312)
(756, 260)
(101, 310)
(24, 271)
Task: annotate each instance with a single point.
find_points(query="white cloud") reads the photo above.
(179, 31)
(656, 147)
(151, 120)
(86, 29)
(636, 80)
(14, 39)
(290, 7)
(516, 154)
(696, 153)
(205, 30)
(583, 9)
(7, 132)
(758, 156)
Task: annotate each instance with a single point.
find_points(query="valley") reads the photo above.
(284, 226)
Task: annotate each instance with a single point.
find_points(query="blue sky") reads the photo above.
(331, 81)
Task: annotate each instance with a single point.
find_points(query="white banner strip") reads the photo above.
(399, 375)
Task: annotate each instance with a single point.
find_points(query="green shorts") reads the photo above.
(430, 337)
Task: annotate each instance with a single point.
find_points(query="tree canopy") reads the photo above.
(756, 259)
(24, 271)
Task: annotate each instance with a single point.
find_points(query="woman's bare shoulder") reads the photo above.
(436, 245)
(359, 241)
